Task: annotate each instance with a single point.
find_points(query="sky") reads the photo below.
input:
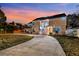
(26, 12)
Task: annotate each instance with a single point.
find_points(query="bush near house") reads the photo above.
(70, 45)
(12, 40)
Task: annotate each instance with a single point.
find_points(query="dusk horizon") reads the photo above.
(26, 12)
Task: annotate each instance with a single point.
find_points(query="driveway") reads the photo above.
(40, 45)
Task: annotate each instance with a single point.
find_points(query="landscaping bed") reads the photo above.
(7, 41)
(70, 45)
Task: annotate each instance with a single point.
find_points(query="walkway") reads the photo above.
(40, 45)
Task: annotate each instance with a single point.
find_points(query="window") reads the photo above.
(63, 18)
(57, 29)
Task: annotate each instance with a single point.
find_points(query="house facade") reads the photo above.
(50, 25)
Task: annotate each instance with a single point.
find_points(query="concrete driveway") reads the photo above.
(40, 45)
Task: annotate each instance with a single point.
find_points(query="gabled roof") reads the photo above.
(51, 17)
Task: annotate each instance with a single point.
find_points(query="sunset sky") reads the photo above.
(26, 12)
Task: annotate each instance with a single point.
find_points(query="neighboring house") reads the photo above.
(50, 25)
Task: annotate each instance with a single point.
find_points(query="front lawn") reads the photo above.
(7, 41)
(70, 45)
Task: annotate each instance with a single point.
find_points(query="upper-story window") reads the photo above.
(63, 18)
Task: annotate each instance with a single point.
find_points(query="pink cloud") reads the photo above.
(25, 15)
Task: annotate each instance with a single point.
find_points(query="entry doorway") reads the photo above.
(43, 26)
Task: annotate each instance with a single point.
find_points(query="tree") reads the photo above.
(2, 16)
(2, 20)
(9, 28)
(73, 21)
(19, 26)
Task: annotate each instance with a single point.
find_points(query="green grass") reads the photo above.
(7, 41)
(70, 45)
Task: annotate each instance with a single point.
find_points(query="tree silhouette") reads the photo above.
(19, 26)
(2, 20)
(9, 28)
(2, 16)
(73, 21)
